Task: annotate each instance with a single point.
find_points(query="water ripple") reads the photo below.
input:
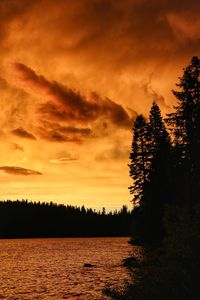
(52, 269)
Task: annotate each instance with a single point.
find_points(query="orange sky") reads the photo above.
(73, 76)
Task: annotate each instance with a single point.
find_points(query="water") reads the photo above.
(47, 269)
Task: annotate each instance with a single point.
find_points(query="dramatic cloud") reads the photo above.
(113, 33)
(53, 135)
(21, 132)
(60, 133)
(129, 52)
(19, 171)
(67, 104)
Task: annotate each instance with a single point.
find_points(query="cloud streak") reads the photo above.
(63, 160)
(19, 171)
(22, 133)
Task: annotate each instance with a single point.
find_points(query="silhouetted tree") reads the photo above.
(158, 191)
(185, 126)
(171, 270)
(139, 156)
(159, 138)
(150, 170)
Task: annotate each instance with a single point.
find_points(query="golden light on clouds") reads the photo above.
(74, 74)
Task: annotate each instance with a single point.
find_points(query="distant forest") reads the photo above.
(23, 219)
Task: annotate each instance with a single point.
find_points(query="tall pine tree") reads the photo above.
(160, 151)
(158, 191)
(171, 271)
(185, 125)
(139, 166)
(150, 171)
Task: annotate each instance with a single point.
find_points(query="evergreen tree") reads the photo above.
(171, 269)
(158, 191)
(185, 126)
(139, 172)
(149, 169)
(159, 137)
(139, 166)
(160, 151)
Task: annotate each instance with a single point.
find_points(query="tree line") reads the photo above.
(23, 219)
(165, 165)
(165, 168)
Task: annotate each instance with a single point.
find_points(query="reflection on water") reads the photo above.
(49, 269)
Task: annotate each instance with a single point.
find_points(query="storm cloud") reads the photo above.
(75, 78)
(65, 103)
(106, 30)
(103, 45)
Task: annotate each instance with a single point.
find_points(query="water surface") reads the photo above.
(47, 269)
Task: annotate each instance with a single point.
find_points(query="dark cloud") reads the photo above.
(58, 133)
(98, 42)
(110, 33)
(19, 171)
(67, 104)
(115, 32)
(84, 132)
(53, 135)
(21, 132)
(53, 112)
(9, 10)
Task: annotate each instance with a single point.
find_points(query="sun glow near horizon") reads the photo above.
(72, 81)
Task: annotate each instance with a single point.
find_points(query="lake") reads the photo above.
(49, 269)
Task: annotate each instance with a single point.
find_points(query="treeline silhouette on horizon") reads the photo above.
(24, 219)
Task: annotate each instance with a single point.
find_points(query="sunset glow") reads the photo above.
(73, 77)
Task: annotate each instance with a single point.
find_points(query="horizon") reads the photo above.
(95, 209)
(72, 81)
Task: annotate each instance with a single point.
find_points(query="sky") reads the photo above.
(74, 74)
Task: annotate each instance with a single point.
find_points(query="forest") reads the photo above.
(23, 219)
(165, 168)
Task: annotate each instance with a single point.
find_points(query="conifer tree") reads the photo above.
(139, 166)
(150, 171)
(158, 191)
(159, 146)
(159, 136)
(171, 269)
(185, 125)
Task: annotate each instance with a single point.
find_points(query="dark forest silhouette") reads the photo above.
(23, 219)
(165, 168)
